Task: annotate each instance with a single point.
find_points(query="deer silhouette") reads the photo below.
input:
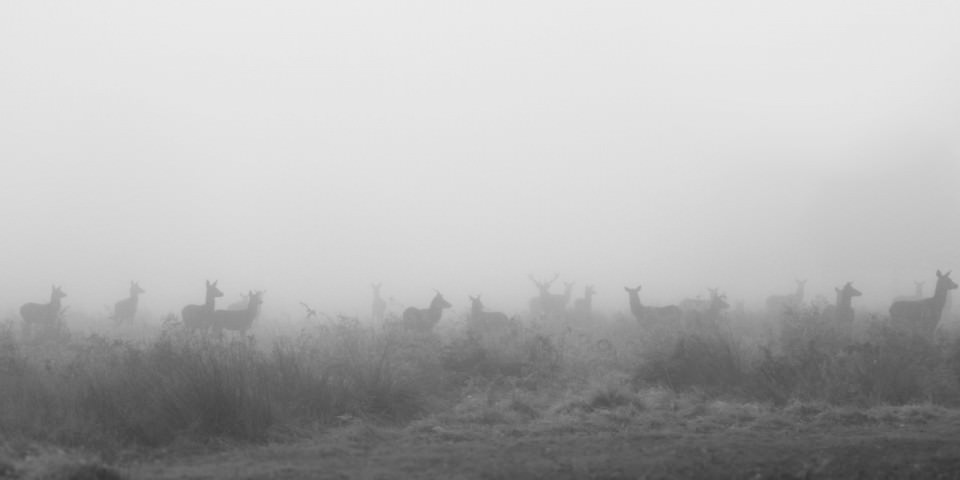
(583, 307)
(199, 317)
(645, 314)
(424, 319)
(238, 320)
(922, 316)
(125, 310)
(842, 314)
(44, 316)
(553, 305)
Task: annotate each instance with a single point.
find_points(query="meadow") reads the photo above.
(740, 395)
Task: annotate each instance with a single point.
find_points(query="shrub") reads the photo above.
(709, 360)
(890, 367)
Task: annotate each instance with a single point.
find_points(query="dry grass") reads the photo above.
(180, 392)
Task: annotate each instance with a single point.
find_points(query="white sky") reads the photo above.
(311, 148)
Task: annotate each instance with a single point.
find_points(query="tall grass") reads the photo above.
(812, 361)
(98, 391)
(95, 391)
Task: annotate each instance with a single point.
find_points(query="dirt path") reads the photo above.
(923, 450)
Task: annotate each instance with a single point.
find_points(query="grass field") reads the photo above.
(744, 396)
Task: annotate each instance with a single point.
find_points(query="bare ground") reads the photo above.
(716, 441)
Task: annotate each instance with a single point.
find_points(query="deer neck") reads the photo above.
(209, 304)
(845, 301)
(940, 294)
(433, 314)
(635, 304)
(251, 312)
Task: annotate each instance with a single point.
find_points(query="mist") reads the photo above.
(311, 149)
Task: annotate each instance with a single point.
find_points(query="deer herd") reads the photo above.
(917, 314)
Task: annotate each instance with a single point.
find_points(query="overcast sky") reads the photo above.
(311, 148)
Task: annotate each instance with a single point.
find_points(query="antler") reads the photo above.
(310, 312)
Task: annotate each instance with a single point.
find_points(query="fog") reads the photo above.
(313, 148)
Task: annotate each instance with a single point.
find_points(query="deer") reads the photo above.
(922, 316)
(842, 313)
(481, 320)
(238, 320)
(548, 303)
(125, 310)
(779, 304)
(45, 315)
(424, 319)
(240, 304)
(537, 304)
(583, 307)
(645, 314)
(696, 305)
(559, 302)
(379, 306)
(917, 293)
(708, 312)
(198, 317)
(947, 305)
